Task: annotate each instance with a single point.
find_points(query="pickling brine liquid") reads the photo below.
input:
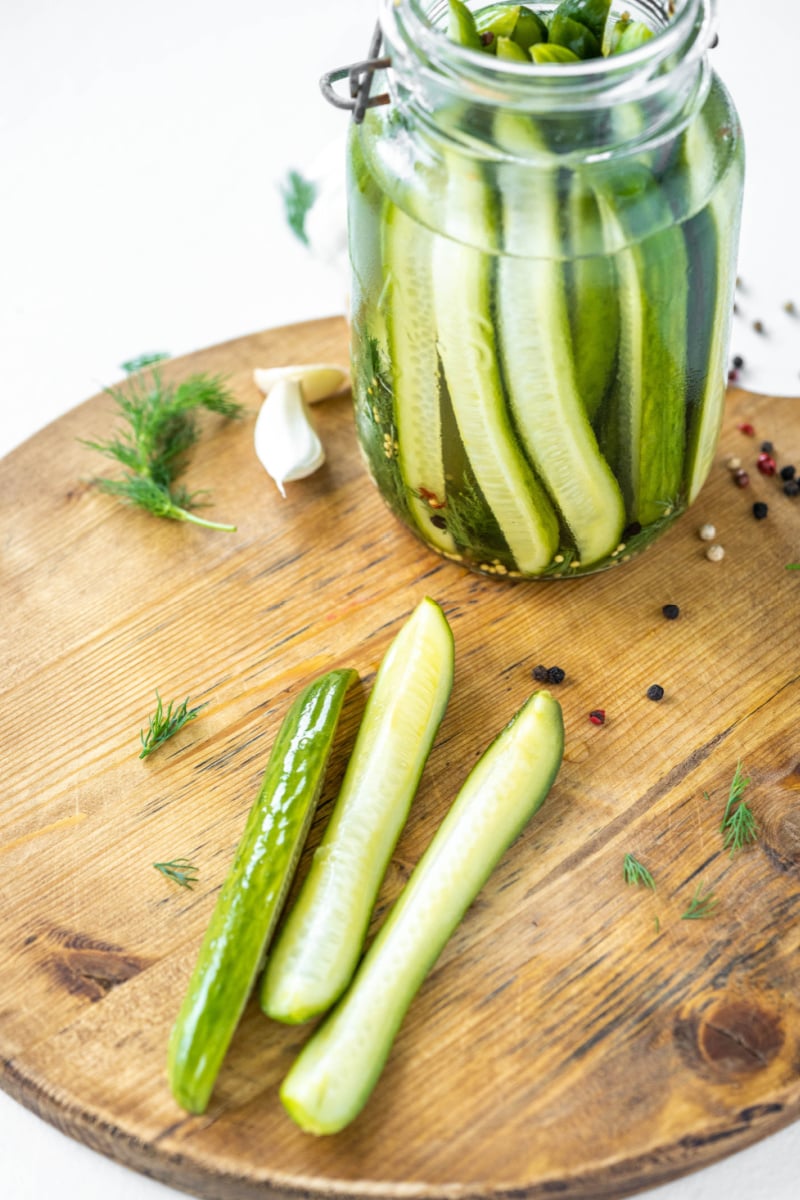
(539, 354)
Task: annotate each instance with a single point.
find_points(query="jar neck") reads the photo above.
(584, 110)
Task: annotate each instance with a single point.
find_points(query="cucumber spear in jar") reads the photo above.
(568, 301)
(531, 331)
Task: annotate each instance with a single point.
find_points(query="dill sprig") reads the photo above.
(793, 566)
(701, 905)
(634, 872)
(180, 870)
(143, 360)
(165, 722)
(160, 429)
(299, 195)
(738, 826)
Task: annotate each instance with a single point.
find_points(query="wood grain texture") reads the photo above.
(577, 1037)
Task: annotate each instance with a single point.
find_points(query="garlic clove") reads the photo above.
(318, 380)
(286, 442)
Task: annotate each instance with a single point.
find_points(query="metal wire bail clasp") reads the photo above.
(360, 76)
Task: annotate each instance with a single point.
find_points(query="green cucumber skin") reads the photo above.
(318, 948)
(573, 35)
(711, 232)
(650, 392)
(719, 224)
(591, 13)
(250, 901)
(593, 303)
(336, 1071)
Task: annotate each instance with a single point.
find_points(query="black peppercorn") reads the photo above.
(791, 487)
(541, 674)
(556, 675)
(655, 692)
(788, 472)
(670, 611)
(767, 448)
(760, 510)
(738, 361)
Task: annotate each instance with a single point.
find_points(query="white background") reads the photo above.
(141, 147)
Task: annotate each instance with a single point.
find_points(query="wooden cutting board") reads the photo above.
(577, 1035)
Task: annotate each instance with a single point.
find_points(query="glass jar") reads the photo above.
(543, 264)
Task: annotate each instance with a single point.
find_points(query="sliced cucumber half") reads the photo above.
(650, 390)
(408, 261)
(318, 948)
(539, 368)
(336, 1071)
(462, 289)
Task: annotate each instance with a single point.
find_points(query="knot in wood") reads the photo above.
(739, 1038)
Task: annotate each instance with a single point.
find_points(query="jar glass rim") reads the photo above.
(412, 24)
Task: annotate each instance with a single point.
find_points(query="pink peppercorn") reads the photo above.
(598, 716)
(741, 478)
(766, 464)
(747, 429)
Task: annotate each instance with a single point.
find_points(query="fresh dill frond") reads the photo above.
(160, 428)
(735, 792)
(165, 722)
(180, 870)
(634, 872)
(159, 500)
(793, 566)
(740, 829)
(738, 826)
(299, 195)
(143, 360)
(701, 905)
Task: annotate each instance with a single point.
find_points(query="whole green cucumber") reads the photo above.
(332, 1079)
(250, 902)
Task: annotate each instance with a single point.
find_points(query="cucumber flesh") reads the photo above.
(408, 256)
(318, 947)
(540, 373)
(336, 1071)
(469, 352)
(251, 898)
